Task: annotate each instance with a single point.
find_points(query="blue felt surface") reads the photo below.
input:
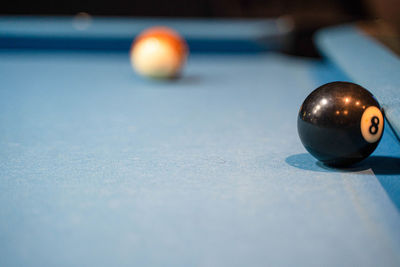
(368, 63)
(100, 167)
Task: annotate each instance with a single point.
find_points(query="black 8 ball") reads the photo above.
(340, 123)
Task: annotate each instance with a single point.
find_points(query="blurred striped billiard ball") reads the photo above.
(340, 123)
(159, 52)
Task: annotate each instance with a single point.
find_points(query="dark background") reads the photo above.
(187, 8)
(307, 15)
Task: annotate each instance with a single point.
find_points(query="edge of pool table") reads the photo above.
(116, 34)
(368, 63)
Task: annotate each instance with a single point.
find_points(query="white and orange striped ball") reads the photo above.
(159, 52)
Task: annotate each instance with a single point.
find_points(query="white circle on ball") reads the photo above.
(372, 124)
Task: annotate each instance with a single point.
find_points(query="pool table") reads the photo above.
(102, 167)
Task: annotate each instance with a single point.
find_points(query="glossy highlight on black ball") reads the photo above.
(340, 123)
